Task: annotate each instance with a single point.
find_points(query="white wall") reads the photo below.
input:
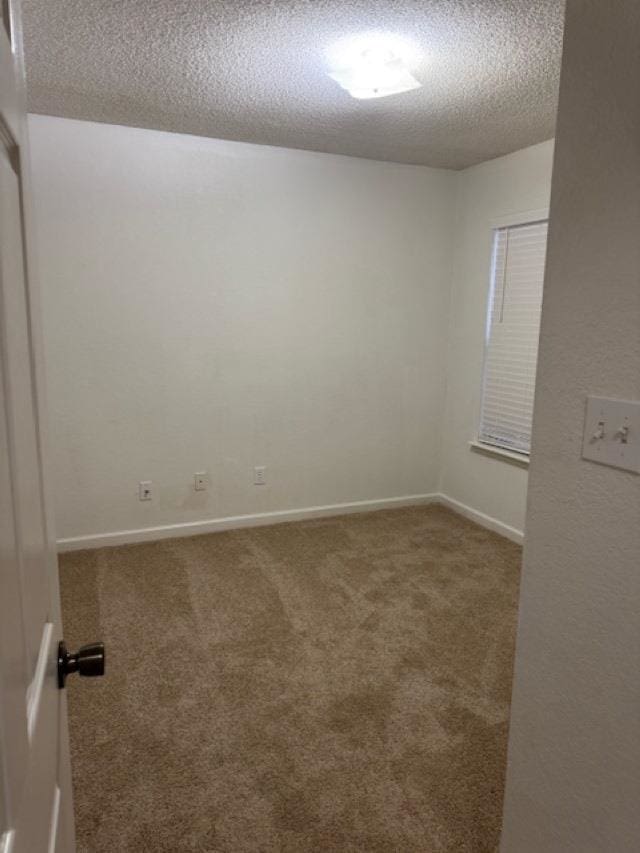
(213, 305)
(573, 782)
(486, 195)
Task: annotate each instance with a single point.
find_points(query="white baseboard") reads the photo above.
(213, 525)
(195, 528)
(480, 518)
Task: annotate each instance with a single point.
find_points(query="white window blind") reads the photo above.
(513, 328)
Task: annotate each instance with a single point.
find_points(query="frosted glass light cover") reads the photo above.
(373, 80)
(373, 65)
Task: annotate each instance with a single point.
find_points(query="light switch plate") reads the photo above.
(612, 433)
(200, 481)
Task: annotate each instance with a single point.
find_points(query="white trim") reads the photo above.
(523, 217)
(55, 818)
(234, 522)
(6, 841)
(483, 520)
(195, 528)
(511, 456)
(34, 691)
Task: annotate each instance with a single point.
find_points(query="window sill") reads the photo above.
(510, 456)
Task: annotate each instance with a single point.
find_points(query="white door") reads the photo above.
(36, 811)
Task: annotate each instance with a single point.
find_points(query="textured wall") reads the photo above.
(486, 194)
(573, 780)
(215, 305)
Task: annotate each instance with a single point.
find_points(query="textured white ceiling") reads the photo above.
(255, 70)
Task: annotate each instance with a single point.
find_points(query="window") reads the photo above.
(513, 328)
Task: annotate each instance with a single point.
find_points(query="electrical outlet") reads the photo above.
(259, 475)
(200, 481)
(144, 490)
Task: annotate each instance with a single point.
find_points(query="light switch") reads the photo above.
(612, 433)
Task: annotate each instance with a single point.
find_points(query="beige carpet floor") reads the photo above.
(332, 685)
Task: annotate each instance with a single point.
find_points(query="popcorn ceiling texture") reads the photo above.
(256, 71)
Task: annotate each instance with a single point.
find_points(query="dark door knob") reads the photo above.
(88, 661)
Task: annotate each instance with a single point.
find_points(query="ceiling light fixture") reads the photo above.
(373, 66)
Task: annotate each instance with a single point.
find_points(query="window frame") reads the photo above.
(519, 458)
